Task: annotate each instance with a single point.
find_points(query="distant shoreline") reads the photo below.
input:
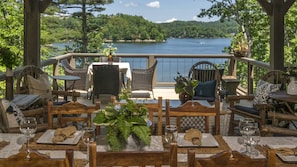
(134, 41)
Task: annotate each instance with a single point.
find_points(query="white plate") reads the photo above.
(47, 137)
(207, 141)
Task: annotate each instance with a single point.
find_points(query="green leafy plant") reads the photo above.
(123, 120)
(109, 50)
(185, 85)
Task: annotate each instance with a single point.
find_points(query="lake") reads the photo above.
(167, 68)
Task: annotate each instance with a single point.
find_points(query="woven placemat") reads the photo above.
(3, 144)
(80, 146)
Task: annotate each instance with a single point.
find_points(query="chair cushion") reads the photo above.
(40, 86)
(251, 110)
(11, 115)
(206, 89)
(263, 90)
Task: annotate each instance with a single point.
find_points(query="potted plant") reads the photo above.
(123, 121)
(239, 45)
(109, 51)
(185, 87)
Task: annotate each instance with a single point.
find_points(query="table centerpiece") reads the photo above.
(109, 52)
(124, 122)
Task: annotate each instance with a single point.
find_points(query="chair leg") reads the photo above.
(231, 124)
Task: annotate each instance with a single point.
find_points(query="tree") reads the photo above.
(11, 39)
(87, 7)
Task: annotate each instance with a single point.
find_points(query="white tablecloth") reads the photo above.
(122, 65)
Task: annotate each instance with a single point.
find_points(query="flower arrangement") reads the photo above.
(123, 120)
(109, 51)
(239, 45)
(185, 85)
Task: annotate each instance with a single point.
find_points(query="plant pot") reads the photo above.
(134, 144)
(183, 97)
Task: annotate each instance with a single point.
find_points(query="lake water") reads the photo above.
(167, 68)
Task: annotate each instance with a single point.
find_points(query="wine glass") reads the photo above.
(170, 133)
(242, 124)
(88, 137)
(28, 127)
(254, 138)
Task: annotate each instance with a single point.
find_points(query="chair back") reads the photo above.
(155, 113)
(133, 158)
(225, 159)
(106, 80)
(37, 159)
(194, 109)
(204, 71)
(22, 85)
(82, 73)
(276, 77)
(70, 112)
(142, 79)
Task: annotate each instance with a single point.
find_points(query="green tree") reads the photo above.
(87, 7)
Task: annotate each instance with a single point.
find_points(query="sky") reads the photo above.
(162, 10)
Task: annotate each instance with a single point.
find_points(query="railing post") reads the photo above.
(151, 61)
(232, 67)
(250, 78)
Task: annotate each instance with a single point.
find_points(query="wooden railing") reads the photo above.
(248, 79)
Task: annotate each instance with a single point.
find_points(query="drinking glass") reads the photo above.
(28, 127)
(253, 140)
(88, 137)
(242, 124)
(170, 133)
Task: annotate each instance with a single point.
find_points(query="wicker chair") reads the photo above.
(209, 79)
(106, 80)
(82, 73)
(142, 80)
(258, 112)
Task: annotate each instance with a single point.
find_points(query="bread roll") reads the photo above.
(194, 136)
(63, 133)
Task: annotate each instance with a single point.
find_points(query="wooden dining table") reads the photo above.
(10, 145)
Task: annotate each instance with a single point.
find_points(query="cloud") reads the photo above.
(170, 20)
(131, 4)
(154, 4)
(167, 21)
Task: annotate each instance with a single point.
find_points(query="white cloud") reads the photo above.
(154, 4)
(171, 20)
(167, 21)
(130, 4)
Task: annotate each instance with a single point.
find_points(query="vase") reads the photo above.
(292, 87)
(183, 97)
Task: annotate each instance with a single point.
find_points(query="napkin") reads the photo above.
(63, 133)
(286, 151)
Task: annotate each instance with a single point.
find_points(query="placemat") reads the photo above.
(33, 145)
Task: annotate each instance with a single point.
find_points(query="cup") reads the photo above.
(170, 133)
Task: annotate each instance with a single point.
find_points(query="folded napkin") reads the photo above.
(194, 136)
(3, 144)
(62, 134)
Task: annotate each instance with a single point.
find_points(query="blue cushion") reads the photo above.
(206, 89)
(251, 110)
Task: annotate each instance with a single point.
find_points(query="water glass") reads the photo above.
(170, 133)
(28, 127)
(88, 137)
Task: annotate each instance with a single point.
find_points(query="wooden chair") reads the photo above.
(37, 160)
(209, 79)
(106, 80)
(70, 112)
(274, 129)
(142, 80)
(133, 158)
(82, 73)
(258, 112)
(194, 109)
(225, 159)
